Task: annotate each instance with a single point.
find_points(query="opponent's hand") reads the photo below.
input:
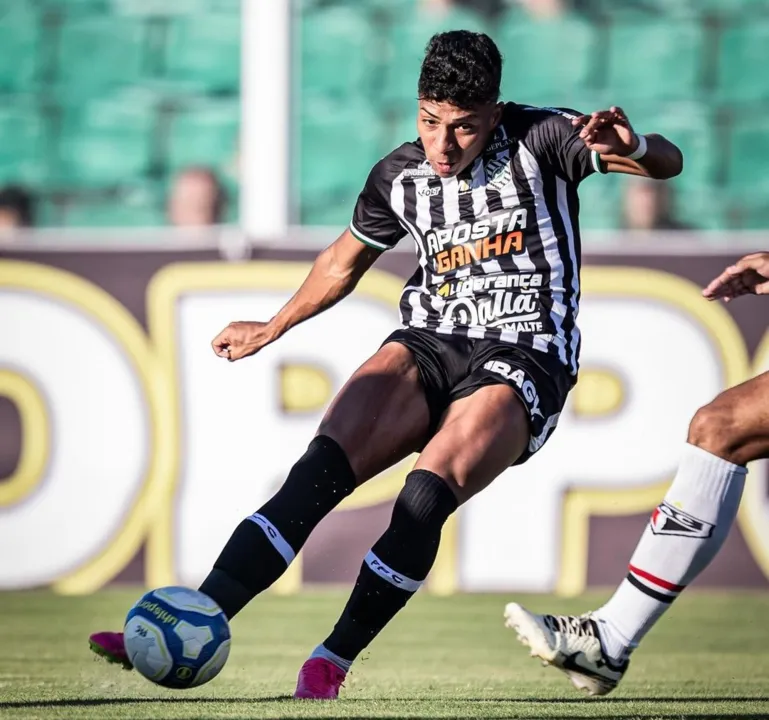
(608, 132)
(242, 339)
(748, 276)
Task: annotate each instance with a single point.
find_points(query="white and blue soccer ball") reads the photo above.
(177, 637)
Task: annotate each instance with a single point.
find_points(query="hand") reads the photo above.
(608, 132)
(242, 339)
(748, 276)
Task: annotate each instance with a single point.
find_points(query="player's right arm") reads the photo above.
(335, 273)
(748, 276)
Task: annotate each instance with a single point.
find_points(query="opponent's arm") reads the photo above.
(610, 134)
(334, 275)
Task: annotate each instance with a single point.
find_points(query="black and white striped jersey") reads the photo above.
(498, 245)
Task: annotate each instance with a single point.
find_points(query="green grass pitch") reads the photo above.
(441, 658)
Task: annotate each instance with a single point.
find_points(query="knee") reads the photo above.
(716, 428)
(425, 502)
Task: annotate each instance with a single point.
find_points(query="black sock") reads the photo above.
(397, 565)
(263, 545)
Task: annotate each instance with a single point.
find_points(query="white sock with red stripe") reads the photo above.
(684, 534)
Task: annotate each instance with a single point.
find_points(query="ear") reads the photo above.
(496, 116)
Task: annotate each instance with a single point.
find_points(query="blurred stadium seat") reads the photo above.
(746, 164)
(659, 59)
(544, 57)
(204, 132)
(338, 51)
(204, 49)
(338, 147)
(106, 141)
(691, 126)
(25, 144)
(19, 46)
(99, 53)
(137, 205)
(104, 93)
(742, 62)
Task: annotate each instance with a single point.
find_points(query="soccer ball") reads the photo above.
(177, 637)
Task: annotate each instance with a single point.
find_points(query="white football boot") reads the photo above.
(571, 644)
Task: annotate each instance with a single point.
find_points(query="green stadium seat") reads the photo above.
(743, 60)
(747, 150)
(205, 50)
(406, 48)
(692, 127)
(404, 127)
(75, 8)
(701, 207)
(654, 60)
(19, 45)
(205, 133)
(747, 211)
(136, 206)
(98, 54)
(646, 8)
(25, 148)
(163, 8)
(600, 202)
(546, 59)
(104, 142)
(339, 145)
(338, 51)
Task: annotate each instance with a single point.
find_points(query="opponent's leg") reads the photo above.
(688, 529)
(379, 417)
(685, 533)
(479, 437)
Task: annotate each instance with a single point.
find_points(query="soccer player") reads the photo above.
(476, 377)
(685, 531)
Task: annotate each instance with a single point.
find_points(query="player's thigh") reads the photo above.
(479, 437)
(735, 425)
(380, 416)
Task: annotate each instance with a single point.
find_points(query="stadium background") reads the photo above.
(109, 397)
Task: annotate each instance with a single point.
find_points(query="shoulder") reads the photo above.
(523, 120)
(409, 157)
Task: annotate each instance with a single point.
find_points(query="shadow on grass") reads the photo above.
(516, 702)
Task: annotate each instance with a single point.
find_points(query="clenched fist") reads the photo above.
(242, 339)
(608, 132)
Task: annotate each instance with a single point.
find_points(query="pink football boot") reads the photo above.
(110, 646)
(319, 679)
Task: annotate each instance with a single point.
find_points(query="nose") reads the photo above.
(444, 140)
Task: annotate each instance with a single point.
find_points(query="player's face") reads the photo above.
(453, 137)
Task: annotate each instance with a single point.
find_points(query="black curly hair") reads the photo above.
(462, 68)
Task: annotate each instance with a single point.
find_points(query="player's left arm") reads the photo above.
(609, 135)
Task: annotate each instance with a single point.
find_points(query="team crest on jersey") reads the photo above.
(498, 174)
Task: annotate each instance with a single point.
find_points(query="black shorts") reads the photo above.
(452, 367)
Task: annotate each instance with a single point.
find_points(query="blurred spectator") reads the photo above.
(16, 208)
(545, 8)
(649, 205)
(487, 8)
(492, 9)
(197, 199)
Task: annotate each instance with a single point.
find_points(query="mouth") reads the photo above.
(444, 168)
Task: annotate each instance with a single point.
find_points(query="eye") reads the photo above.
(467, 128)
(429, 121)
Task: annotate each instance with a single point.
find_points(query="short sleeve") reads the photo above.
(554, 140)
(374, 222)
